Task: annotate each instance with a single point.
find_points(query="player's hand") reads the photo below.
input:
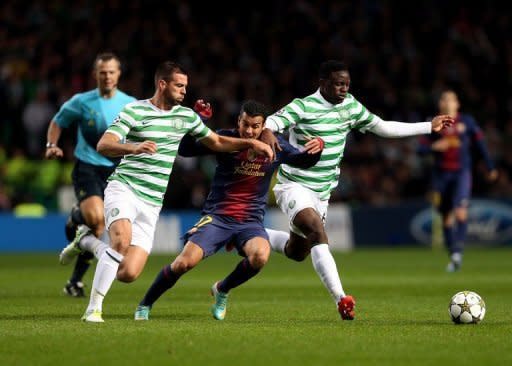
(146, 147)
(54, 152)
(268, 137)
(204, 109)
(441, 121)
(262, 148)
(314, 145)
(493, 175)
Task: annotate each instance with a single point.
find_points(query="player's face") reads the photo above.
(107, 75)
(175, 89)
(250, 127)
(449, 103)
(335, 88)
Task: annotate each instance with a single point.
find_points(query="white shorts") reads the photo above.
(293, 198)
(122, 203)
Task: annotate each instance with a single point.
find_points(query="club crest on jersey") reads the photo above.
(177, 123)
(344, 114)
(114, 212)
(291, 204)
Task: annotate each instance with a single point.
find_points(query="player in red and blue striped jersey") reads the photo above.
(234, 210)
(451, 178)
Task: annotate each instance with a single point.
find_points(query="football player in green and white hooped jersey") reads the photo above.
(303, 194)
(153, 129)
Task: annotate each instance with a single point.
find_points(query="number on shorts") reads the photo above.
(203, 221)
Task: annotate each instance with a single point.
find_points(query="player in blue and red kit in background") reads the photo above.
(452, 173)
(234, 210)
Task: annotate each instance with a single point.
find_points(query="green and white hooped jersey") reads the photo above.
(313, 116)
(148, 175)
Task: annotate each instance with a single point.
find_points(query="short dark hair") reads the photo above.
(165, 69)
(328, 67)
(254, 109)
(105, 56)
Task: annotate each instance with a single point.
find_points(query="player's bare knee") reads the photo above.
(259, 258)
(314, 230)
(317, 234)
(461, 215)
(182, 265)
(127, 275)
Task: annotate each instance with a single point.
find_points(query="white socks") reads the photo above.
(278, 240)
(322, 259)
(93, 245)
(105, 274)
(324, 265)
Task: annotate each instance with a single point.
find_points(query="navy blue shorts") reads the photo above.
(454, 189)
(215, 231)
(90, 180)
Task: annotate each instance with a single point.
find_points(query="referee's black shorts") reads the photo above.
(90, 180)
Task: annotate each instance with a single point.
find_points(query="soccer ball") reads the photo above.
(466, 307)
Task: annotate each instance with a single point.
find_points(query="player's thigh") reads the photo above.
(133, 263)
(448, 198)
(92, 210)
(309, 222)
(462, 193)
(211, 233)
(144, 226)
(252, 241)
(293, 198)
(120, 235)
(120, 212)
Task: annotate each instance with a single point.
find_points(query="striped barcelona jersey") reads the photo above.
(313, 116)
(147, 175)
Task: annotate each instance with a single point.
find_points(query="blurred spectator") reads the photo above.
(35, 117)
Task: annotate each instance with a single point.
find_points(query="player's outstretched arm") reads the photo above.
(403, 129)
(227, 144)
(110, 145)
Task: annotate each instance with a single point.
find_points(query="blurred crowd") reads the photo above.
(264, 51)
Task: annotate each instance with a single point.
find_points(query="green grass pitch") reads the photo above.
(284, 316)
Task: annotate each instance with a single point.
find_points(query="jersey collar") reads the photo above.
(323, 101)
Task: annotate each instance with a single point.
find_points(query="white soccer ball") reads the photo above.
(466, 307)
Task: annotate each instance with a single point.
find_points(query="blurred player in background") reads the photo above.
(153, 129)
(234, 210)
(303, 194)
(451, 178)
(93, 112)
